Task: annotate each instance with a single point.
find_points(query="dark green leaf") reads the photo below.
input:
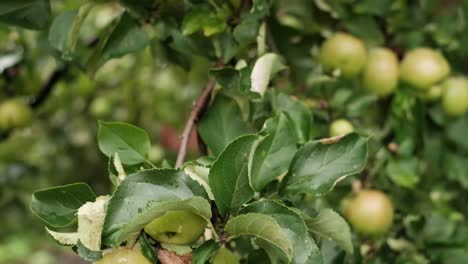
(229, 179)
(456, 132)
(203, 253)
(139, 192)
(319, 165)
(86, 253)
(330, 225)
(299, 114)
(456, 167)
(403, 172)
(58, 33)
(270, 236)
(147, 249)
(130, 142)
(32, 14)
(366, 27)
(127, 37)
(221, 124)
(274, 153)
(294, 227)
(58, 206)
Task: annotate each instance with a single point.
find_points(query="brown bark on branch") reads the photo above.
(197, 109)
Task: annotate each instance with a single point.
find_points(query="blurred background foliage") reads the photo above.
(60, 145)
(426, 176)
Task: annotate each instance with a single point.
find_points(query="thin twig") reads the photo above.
(193, 117)
(47, 88)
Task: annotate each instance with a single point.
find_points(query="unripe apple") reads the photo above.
(381, 74)
(100, 107)
(14, 114)
(177, 228)
(225, 256)
(123, 256)
(370, 212)
(340, 127)
(423, 68)
(455, 96)
(344, 52)
(431, 95)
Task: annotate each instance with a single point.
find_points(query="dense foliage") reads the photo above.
(310, 115)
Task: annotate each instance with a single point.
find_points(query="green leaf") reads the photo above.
(221, 124)
(86, 253)
(127, 37)
(58, 206)
(65, 29)
(266, 229)
(299, 114)
(203, 253)
(202, 19)
(229, 179)
(32, 14)
(130, 142)
(140, 192)
(147, 249)
(294, 227)
(456, 167)
(456, 132)
(199, 174)
(366, 28)
(403, 172)
(274, 153)
(246, 32)
(196, 205)
(58, 33)
(330, 225)
(264, 70)
(319, 165)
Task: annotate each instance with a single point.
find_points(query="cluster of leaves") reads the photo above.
(248, 164)
(266, 175)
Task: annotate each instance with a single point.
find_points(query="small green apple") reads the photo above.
(344, 52)
(100, 107)
(380, 74)
(340, 127)
(225, 256)
(431, 95)
(123, 256)
(423, 68)
(370, 212)
(14, 114)
(455, 96)
(177, 228)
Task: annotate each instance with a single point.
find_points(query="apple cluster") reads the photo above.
(424, 69)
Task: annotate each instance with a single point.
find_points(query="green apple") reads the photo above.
(177, 228)
(431, 95)
(225, 256)
(381, 74)
(155, 153)
(14, 114)
(455, 96)
(123, 256)
(344, 52)
(340, 127)
(423, 68)
(100, 107)
(370, 212)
